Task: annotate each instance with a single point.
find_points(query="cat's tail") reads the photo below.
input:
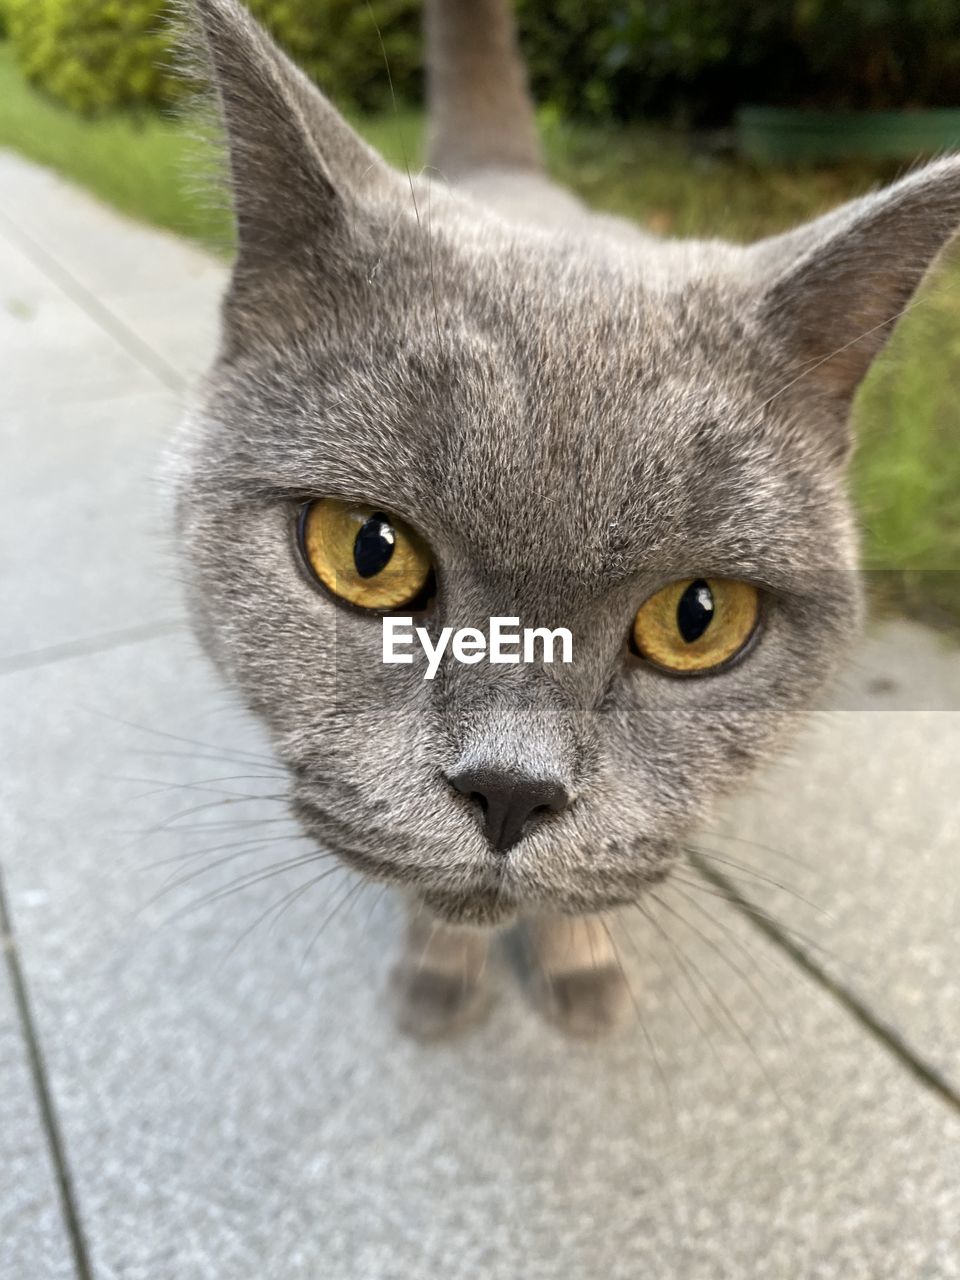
(481, 112)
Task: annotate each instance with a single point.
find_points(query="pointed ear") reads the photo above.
(834, 289)
(294, 161)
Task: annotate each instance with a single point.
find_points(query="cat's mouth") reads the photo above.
(503, 896)
(495, 893)
(485, 899)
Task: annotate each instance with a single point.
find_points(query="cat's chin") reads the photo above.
(481, 908)
(490, 909)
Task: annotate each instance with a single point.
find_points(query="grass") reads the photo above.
(906, 473)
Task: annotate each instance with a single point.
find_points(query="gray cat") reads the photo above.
(463, 395)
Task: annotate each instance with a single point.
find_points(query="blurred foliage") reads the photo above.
(98, 55)
(347, 45)
(867, 54)
(692, 61)
(689, 61)
(628, 58)
(95, 55)
(695, 61)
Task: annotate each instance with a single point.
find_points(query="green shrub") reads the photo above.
(689, 60)
(95, 55)
(699, 59)
(338, 42)
(885, 54)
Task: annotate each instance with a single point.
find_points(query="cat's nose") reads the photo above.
(510, 803)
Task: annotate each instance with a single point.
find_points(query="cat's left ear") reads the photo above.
(832, 291)
(296, 166)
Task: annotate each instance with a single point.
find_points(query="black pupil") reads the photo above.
(695, 611)
(374, 546)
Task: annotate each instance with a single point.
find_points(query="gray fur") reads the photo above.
(573, 416)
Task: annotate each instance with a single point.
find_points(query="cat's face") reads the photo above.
(568, 445)
(569, 428)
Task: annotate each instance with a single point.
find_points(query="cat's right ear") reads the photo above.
(295, 164)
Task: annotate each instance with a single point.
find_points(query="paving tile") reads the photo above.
(863, 820)
(181, 322)
(240, 1105)
(901, 666)
(105, 252)
(82, 519)
(33, 1242)
(27, 187)
(23, 286)
(53, 350)
(85, 255)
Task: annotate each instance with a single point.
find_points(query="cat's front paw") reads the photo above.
(584, 1003)
(576, 976)
(429, 1004)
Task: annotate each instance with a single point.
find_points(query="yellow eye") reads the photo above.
(697, 624)
(364, 556)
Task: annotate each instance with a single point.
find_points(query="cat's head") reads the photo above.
(552, 427)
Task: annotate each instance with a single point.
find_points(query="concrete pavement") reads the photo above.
(191, 1090)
